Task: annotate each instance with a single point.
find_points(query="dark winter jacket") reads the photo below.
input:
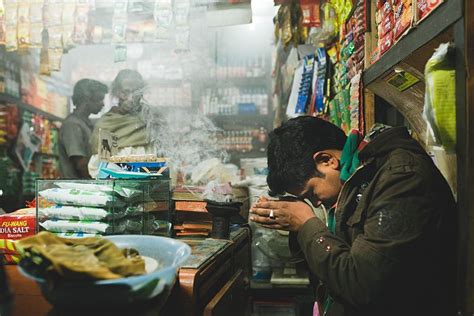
(394, 251)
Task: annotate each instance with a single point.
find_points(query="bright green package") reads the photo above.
(334, 113)
(440, 97)
(344, 103)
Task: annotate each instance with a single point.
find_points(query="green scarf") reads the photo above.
(350, 154)
(129, 129)
(349, 164)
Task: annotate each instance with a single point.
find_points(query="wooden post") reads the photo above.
(465, 151)
(369, 110)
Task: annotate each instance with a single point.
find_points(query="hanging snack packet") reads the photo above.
(440, 97)
(11, 19)
(23, 27)
(2, 23)
(53, 13)
(55, 57)
(69, 9)
(163, 15)
(181, 9)
(81, 21)
(310, 10)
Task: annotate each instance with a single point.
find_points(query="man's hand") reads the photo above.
(283, 215)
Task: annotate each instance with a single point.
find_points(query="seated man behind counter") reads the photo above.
(75, 133)
(389, 245)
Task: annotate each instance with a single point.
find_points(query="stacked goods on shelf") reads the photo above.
(344, 108)
(48, 95)
(233, 101)
(425, 7)
(49, 137)
(8, 123)
(326, 66)
(192, 218)
(230, 67)
(178, 95)
(300, 97)
(319, 87)
(36, 149)
(403, 17)
(102, 207)
(246, 140)
(394, 18)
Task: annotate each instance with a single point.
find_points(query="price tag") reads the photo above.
(402, 80)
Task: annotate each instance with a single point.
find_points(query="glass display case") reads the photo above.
(82, 208)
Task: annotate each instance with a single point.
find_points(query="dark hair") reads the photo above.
(84, 89)
(123, 75)
(291, 149)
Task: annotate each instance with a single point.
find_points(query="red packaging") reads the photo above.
(310, 10)
(386, 26)
(386, 8)
(425, 7)
(17, 226)
(386, 43)
(403, 19)
(380, 3)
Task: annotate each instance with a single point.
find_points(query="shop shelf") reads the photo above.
(437, 22)
(10, 99)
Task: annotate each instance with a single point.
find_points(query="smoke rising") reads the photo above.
(184, 137)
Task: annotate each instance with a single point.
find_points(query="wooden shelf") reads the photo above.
(10, 99)
(424, 33)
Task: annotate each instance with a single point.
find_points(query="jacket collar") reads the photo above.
(389, 140)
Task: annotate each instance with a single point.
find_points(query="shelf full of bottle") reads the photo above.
(234, 101)
(246, 140)
(230, 67)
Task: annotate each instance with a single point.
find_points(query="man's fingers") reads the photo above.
(266, 204)
(262, 219)
(262, 211)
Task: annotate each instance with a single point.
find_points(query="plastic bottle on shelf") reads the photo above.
(262, 138)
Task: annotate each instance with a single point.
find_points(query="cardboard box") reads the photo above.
(191, 206)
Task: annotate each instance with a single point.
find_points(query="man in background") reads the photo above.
(124, 120)
(75, 133)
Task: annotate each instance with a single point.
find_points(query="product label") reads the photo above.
(16, 227)
(425, 7)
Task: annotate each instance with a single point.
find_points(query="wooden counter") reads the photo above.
(214, 283)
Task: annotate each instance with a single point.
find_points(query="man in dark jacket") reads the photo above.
(389, 246)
